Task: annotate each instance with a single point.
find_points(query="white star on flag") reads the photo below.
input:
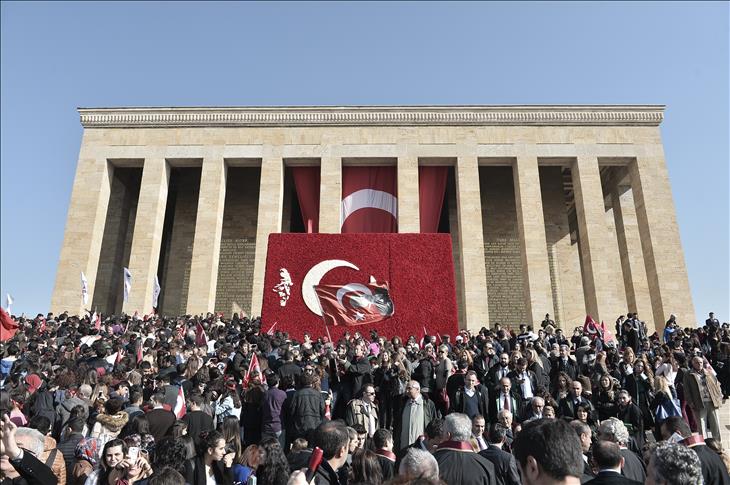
(359, 316)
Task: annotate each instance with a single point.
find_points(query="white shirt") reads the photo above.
(526, 386)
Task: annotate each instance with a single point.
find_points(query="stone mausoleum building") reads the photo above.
(564, 210)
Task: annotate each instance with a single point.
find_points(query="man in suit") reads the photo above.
(504, 463)
(712, 321)
(613, 430)
(525, 382)
(497, 372)
(504, 400)
(472, 399)
(478, 425)
(160, 419)
(567, 405)
(485, 361)
(607, 458)
(534, 410)
(562, 363)
(584, 435)
(548, 451)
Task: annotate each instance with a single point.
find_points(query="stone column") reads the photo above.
(271, 201)
(531, 229)
(84, 231)
(600, 283)
(330, 194)
(473, 282)
(662, 248)
(145, 255)
(632, 259)
(208, 229)
(408, 209)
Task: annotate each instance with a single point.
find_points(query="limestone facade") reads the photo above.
(564, 210)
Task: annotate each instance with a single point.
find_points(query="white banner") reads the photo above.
(8, 301)
(155, 292)
(84, 289)
(127, 284)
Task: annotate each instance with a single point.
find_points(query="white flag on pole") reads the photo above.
(155, 292)
(8, 301)
(84, 288)
(127, 284)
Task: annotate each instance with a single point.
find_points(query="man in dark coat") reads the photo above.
(562, 363)
(568, 405)
(504, 463)
(304, 411)
(458, 462)
(383, 443)
(160, 419)
(357, 373)
(289, 368)
(484, 361)
(332, 438)
(548, 451)
(504, 400)
(497, 372)
(197, 420)
(472, 399)
(615, 431)
(608, 460)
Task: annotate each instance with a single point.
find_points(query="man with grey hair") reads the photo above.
(615, 431)
(417, 413)
(458, 463)
(673, 464)
(20, 451)
(584, 434)
(419, 464)
(537, 405)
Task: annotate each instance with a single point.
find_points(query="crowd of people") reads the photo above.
(203, 400)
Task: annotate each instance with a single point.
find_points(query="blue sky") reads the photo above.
(59, 56)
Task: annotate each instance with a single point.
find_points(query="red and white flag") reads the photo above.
(369, 200)
(42, 326)
(252, 366)
(354, 303)
(271, 330)
(181, 331)
(180, 409)
(201, 339)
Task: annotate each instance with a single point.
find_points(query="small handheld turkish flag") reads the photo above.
(252, 366)
(354, 303)
(201, 339)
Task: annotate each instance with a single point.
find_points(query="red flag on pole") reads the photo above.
(590, 327)
(180, 409)
(253, 365)
(271, 330)
(354, 303)
(201, 339)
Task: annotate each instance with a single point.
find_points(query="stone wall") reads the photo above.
(177, 240)
(565, 275)
(117, 240)
(238, 240)
(502, 254)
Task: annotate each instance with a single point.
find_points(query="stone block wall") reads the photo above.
(238, 240)
(502, 253)
(177, 240)
(117, 240)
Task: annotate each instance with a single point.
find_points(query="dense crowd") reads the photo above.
(203, 400)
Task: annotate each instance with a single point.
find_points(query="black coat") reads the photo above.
(504, 463)
(633, 466)
(482, 395)
(713, 468)
(303, 412)
(32, 470)
(465, 468)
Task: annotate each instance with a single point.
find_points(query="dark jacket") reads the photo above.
(482, 395)
(713, 468)
(566, 407)
(515, 377)
(303, 412)
(514, 407)
(198, 421)
(557, 366)
(633, 467)
(68, 449)
(161, 420)
(504, 463)
(32, 470)
(326, 475)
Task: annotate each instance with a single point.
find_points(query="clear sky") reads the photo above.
(58, 56)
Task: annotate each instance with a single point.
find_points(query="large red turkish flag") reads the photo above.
(416, 269)
(369, 199)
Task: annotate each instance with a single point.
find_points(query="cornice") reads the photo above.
(598, 115)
